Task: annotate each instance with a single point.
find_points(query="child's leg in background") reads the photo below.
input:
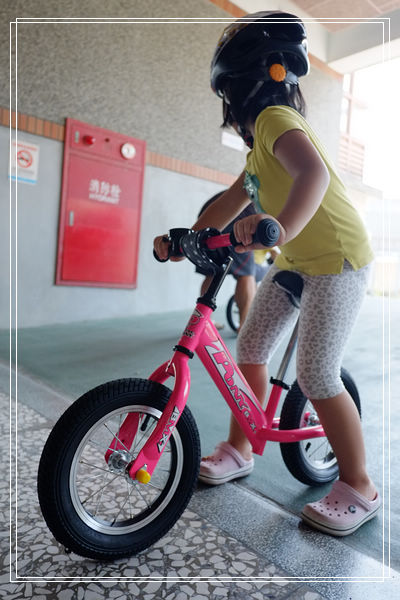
(330, 305)
(245, 291)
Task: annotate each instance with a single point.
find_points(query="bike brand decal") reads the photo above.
(168, 429)
(188, 333)
(232, 381)
(194, 320)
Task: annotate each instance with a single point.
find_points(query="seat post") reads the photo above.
(288, 355)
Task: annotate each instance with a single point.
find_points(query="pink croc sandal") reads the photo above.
(224, 465)
(342, 511)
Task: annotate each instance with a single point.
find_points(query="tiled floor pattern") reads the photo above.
(195, 560)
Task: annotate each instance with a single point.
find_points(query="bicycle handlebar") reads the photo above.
(267, 234)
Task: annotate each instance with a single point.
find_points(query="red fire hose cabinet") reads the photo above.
(101, 201)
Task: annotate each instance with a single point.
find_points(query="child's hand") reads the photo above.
(161, 247)
(246, 228)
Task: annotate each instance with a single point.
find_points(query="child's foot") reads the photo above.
(342, 511)
(224, 465)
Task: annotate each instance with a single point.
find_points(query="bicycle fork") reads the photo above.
(146, 461)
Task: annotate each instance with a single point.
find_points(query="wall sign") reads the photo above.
(23, 165)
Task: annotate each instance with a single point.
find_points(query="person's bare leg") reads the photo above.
(256, 377)
(245, 291)
(341, 422)
(206, 284)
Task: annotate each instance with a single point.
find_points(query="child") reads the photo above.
(289, 177)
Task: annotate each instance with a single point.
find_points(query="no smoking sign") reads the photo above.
(24, 159)
(24, 162)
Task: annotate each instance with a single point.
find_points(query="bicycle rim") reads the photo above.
(103, 495)
(317, 452)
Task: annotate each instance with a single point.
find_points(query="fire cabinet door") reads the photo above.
(101, 207)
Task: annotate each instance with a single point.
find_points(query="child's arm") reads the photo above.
(299, 157)
(219, 214)
(226, 208)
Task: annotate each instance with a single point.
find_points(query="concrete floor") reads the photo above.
(58, 363)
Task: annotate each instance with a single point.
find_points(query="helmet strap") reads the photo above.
(253, 92)
(246, 137)
(290, 79)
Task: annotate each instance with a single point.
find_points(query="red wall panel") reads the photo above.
(100, 207)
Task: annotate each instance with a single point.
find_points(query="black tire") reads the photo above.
(100, 513)
(311, 461)
(232, 314)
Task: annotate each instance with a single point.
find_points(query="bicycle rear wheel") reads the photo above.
(90, 503)
(311, 461)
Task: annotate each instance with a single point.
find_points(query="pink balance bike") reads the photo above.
(121, 464)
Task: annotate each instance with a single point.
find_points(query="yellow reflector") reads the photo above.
(143, 476)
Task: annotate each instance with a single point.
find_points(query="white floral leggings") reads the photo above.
(329, 307)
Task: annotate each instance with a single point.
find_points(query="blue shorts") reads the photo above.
(243, 264)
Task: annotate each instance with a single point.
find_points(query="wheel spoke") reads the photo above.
(324, 443)
(129, 490)
(92, 478)
(101, 489)
(116, 438)
(102, 446)
(137, 444)
(138, 490)
(121, 509)
(92, 466)
(100, 496)
(154, 487)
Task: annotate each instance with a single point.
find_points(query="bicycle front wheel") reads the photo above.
(90, 503)
(311, 461)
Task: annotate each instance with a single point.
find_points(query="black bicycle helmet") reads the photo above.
(263, 46)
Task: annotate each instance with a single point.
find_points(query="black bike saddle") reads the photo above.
(292, 283)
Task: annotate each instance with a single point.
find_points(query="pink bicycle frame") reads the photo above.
(201, 336)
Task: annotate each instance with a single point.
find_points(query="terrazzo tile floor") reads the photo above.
(198, 559)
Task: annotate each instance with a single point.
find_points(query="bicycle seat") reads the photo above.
(292, 283)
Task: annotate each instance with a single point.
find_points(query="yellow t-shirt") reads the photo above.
(259, 256)
(336, 231)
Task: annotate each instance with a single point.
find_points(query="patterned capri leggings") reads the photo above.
(329, 307)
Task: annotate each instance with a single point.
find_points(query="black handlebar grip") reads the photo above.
(267, 233)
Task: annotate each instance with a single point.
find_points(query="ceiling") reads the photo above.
(346, 34)
(341, 9)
